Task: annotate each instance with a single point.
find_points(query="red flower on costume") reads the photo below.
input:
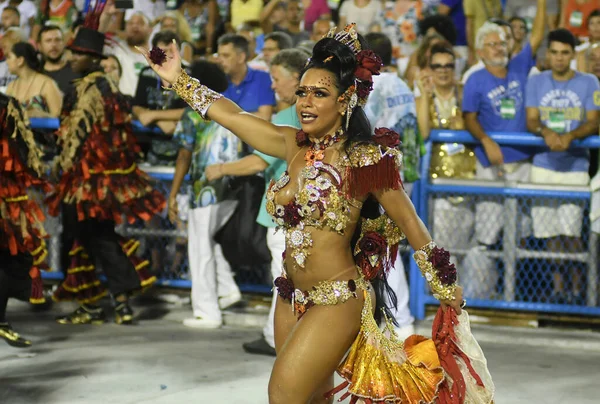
(302, 139)
(285, 287)
(291, 214)
(369, 64)
(440, 259)
(372, 243)
(386, 137)
(158, 56)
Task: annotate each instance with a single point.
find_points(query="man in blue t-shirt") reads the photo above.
(250, 89)
(285, 70)
(494, 100)
(562, 105)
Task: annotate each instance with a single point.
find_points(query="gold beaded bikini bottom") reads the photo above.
(324, 293)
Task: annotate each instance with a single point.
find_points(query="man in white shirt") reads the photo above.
(391, 104)
(137, 33)
(27, 9)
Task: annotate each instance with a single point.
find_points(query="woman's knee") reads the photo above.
(281, 392)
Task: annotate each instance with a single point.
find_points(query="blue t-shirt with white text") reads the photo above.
(484, 94)
(566, 102)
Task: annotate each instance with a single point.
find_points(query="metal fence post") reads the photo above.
(592, 276)
(509, 246)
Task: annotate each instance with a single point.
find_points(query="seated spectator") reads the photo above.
(400, 22)
(291, 24)
(175, 22)
(37, 93)
(51, 45)
(152, 9)
(248, 88)
(574, 15)
(439, 107)
(584, 51)
(494, 100)
(306, 46)
(59, 13)
(137, 33)
(255, 62)
(418, 62)
(275, 42)
(454, 9)
(245, 12)
(202, 17)
(519, 30)
(362, 12)
(320, 28)
(112, 68)
(27, 12)
(531, 47)
(562, 106)
(313, 10)
(593, 66)
(10, 37)
(10, 17)
(154, 104)
(476, 13)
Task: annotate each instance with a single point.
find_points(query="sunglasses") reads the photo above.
(437, 66)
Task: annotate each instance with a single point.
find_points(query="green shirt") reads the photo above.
(276, 166)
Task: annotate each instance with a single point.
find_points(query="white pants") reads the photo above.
(489, 215)
(397, 281)
(210, 273)
(276, 244)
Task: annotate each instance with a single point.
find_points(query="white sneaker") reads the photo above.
(199, 322)
(226, 302)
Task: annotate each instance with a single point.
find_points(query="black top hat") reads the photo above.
(88, 41)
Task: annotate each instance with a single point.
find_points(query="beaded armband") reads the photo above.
(435, 266)
(198, 96)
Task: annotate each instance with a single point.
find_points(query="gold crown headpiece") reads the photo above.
(348, 36)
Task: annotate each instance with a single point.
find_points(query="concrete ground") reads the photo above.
(160, 361)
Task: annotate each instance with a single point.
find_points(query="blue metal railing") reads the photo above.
(419, 294)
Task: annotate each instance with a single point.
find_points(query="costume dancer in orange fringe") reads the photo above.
(332, 286)
(99, 186)
(22, 248)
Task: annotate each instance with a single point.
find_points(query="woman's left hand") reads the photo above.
(456, 304)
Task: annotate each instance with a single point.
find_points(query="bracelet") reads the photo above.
(435, 266)
(198, 96)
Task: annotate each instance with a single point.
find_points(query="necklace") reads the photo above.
(316, 149)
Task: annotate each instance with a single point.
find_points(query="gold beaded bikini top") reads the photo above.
(325, 197)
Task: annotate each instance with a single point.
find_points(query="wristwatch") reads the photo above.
(539, 130)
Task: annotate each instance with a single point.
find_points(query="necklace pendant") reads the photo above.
(311, 156)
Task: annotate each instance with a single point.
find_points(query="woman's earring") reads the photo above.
(351, 105)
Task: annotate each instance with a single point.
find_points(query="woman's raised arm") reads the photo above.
(258, 133)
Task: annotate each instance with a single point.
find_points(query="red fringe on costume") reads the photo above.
(99, 154)
(82, 283)
(448, 352)
(384, 175)
(21, 218)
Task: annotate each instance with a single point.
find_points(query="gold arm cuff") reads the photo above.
(440, 291)
(198, 96)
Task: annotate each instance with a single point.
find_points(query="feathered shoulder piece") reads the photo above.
(16, 130)
(373, 166)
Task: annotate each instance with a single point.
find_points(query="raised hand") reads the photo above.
(170, 69)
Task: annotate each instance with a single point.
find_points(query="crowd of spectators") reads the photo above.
(480, 65)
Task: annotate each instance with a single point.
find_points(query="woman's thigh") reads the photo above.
(285, 320)
(312, 351)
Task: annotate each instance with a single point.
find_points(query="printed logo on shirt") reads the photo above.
(563, 103)
(596, 97)
(499, 93)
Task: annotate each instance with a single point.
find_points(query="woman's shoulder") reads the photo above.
(364, 153)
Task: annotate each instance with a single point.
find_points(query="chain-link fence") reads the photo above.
(516, 245)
